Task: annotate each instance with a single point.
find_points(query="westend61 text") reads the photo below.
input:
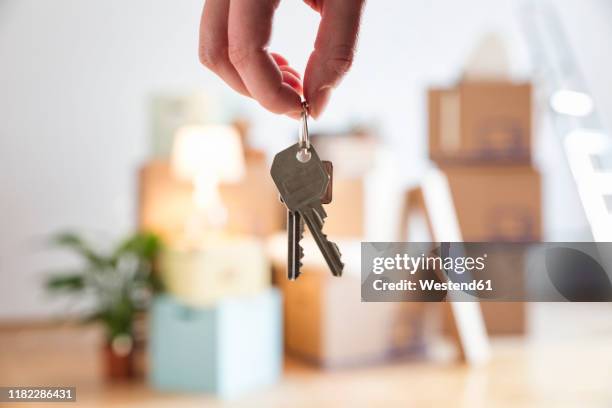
(430, 284)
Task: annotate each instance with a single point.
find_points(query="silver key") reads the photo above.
(295, 253)
(314, 216)
(302, 184)
(295, 230)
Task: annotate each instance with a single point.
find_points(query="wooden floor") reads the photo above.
(552, 373)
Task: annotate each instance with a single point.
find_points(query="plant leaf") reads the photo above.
(143, 244)
(73, 241)
(72, 283)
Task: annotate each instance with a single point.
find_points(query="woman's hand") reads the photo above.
(234, 36)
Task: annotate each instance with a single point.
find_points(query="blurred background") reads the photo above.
(135, 195)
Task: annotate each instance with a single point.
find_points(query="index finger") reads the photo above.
(334, 50)
(249, 30)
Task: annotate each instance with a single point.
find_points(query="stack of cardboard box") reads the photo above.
(218, 290)
(480, 137)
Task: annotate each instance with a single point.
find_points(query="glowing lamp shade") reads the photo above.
(212, 152)
(207, 156)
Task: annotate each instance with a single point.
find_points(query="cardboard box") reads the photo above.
(480, 121)
(501, 318)
(497, 203)
(253, 204)
(204, 276)
(346, 212)
(353, 153)
(505, 318)
(165, 203)
(507, 267)
(228, 349)
(327, 324)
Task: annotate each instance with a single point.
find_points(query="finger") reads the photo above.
(283, 64)
(314, 4)
(213, 43)
(279, 59)
(334, 51)
(293, 81)
(249, 29)
(289, 69)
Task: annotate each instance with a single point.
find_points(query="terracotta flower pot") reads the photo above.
(118, 360)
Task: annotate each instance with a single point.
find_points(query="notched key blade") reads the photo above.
(300, 249)
(320, 214)
(337, 250)
(294, 230)
(328, 249)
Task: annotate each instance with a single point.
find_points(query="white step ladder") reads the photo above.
(587, 145)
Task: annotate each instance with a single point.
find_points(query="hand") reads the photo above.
(234, 36)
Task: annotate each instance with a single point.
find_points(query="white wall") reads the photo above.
(75, 77)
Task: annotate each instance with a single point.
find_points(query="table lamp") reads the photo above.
(206, 156)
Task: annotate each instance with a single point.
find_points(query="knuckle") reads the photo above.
(238, 54)
(271, 104)
(341, 59)
(274, 101)
(211, 57)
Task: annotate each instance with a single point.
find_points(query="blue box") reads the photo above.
(227, 349)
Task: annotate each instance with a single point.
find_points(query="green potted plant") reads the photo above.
(118, 285)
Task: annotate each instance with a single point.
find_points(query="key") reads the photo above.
(295, 253)
(329, 169)
(295, 230)
(302, 186)
(314, 217)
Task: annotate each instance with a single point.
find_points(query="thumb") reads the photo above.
(334, 51)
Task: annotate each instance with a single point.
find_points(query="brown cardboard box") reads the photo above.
(327, 324)
(345, 214)
(480, 121)
(252, 204)
(501, 318)
(505, 318)
(508, 270)
(496, 203)
(164, 202)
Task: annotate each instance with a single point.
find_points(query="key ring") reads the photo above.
(303, 155)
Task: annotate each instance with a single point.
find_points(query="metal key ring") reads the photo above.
(303, 155)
